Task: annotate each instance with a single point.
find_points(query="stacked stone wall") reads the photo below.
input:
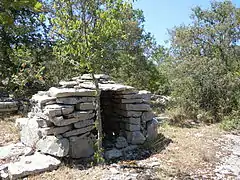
(62, 120)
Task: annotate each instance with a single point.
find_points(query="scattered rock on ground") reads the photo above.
(14, 151)
(33, 164)
(113, 154)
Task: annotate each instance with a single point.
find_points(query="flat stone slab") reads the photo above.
(68, 84)
(129, 101)
(84, 123)
(53, 146)
(125, 113)
(130, 96)
(72, 118)
(14, 150)
(6, 105)
(81, 115)
(129, 120)
(85, 106)
(134, 107)
(116, 87)
(68, 92)
(29, 165)
(42, 100)
(9, 109)
(76, 132)
(55, 130)
(58, 110)
(74, 100)
(97, 76)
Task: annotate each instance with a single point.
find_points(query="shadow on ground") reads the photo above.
(140, 153)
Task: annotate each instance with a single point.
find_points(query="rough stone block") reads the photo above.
(29, 165)
(131, 120)
(135, 137)
(147, 116)
(42, 115)
(30, 133)
(53, 146)
(121, 142)
(146, 95)
(113, 154)
(42, 122)
(80, 147)
(132, 127)
(125, 113)
(152, 129)
(84, 123)
(21, 122)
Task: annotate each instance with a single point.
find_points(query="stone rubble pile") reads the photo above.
(61, 122)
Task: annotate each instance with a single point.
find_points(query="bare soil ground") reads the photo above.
(191, 154)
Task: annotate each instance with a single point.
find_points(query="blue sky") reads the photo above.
(161, 15)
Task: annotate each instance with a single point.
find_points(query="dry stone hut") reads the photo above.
(62, 120)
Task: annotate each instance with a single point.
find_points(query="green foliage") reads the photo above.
(8, 6)
(98, 157)
(28, 75)
(206, 61)
(25, 49)
(231, 122)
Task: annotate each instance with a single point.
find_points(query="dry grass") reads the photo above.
(193, 152)
(8, 132)
(73, 173)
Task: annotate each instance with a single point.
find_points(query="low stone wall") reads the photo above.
(8, 106)
(13, 106)
(62, 120)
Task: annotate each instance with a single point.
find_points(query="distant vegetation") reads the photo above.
(43, 42)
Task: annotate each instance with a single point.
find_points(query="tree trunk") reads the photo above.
(98, 114)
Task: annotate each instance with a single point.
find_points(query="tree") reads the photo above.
(24, 46)
(88, 35)
(206, 61)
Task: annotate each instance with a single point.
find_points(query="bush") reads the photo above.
(231, 122)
